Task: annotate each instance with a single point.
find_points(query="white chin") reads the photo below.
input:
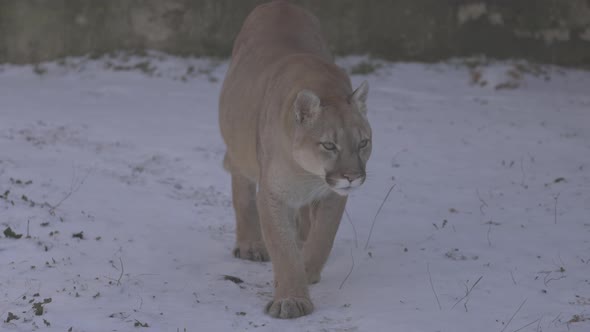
(342, 191)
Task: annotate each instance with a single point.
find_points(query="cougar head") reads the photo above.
(332, 138)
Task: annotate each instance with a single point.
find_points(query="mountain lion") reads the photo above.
(298, 141)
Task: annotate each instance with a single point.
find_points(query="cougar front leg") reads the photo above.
(291, 296)
(325, 219)
(249, 243)
(303, 225)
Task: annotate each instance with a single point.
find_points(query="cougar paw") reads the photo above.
(290, 307)
(251, 251)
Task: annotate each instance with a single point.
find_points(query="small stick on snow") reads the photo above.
(527, 325)
(547, 280)
(512, 276)
(122, 271)
(468, 291)
(376, 214)
(483, 203)
(74, 187)
(140, 303)
(513, 315)
(488, 235)
(522, 183)
(555, 198)
(556, 319)
(432, 286)
(356, 242)
(349, 272)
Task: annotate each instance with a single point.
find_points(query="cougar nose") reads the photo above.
(351, 176)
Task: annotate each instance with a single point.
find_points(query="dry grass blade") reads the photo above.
(522, 181)
(512, 276)
(74, 187)
(467, 293)
(432, 286)
(483, 203)
(122, 271)
(377, 214)
(555, 198)
(356, 241)
(527, 325)
(349, 272)
(513, 315)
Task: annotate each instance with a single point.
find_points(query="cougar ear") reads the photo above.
(359, 97)
(306, 106)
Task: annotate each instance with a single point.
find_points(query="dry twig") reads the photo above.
(376, 214)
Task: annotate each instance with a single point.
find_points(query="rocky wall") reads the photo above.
(550, 31)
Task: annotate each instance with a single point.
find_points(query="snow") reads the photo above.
(491, 197)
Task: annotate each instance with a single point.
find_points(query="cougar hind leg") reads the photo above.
(249, 242)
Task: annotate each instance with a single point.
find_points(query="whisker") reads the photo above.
(316, 191)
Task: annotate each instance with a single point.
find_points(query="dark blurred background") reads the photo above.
(547, 31)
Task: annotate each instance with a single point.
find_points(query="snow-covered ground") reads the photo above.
(111, 171)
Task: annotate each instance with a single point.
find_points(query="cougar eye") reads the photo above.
(363, 143)
(329, 146)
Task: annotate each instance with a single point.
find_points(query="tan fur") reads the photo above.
(297, 141)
